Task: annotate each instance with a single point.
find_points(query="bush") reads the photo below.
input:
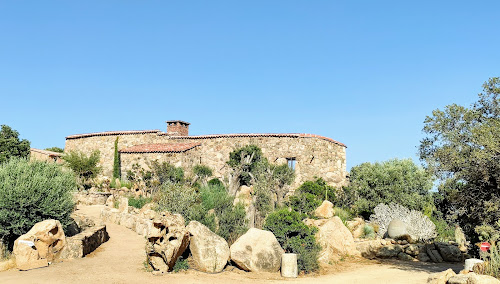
(181, 264)
(202, 171)
(294, 236)
(55, 149)
(138, 202)
(304, 203)
(11, 146)
(176, 198)
(419, 226)
(310, 195)
(167, 173)
(31, 192)
(232, 221)
(444, 231)
(368, 232)
(215, 182)
(215, 197)
(399, 181)
(85, 167)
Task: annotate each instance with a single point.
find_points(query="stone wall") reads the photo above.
(44, 155)
(314, 155)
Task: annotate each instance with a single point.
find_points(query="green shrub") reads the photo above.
(343, 213)
(368, 232)
(304, 202)
(176, 198)
(31, 192)
(232, 221)
(85, 167)
(295, 237)
(55, 149)
(215, 197)
(445, 232)
(138, 202)
(318, 188)
(399, 181)
(123, 183)
(492, 266)
(167, 173)
(310, 195)
(215, 182)
(202, 171)
(180, 264)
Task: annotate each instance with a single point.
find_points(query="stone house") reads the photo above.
(308, 154)
(44, 155)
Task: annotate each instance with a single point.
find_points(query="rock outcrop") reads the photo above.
(397, 230)
(167, 240)
(335, 239)
(210, 252)
(325, 210)
(40, 245)
(257, 250)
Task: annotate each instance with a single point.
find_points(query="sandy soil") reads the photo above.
(121, 260)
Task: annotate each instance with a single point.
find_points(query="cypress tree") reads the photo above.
(116, 162)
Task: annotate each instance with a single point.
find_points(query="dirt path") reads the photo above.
(121, 260)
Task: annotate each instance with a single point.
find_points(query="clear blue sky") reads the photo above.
(365, 73)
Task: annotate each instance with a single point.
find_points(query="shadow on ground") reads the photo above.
(423, 266)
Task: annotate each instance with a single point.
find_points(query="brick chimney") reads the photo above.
(177, 128)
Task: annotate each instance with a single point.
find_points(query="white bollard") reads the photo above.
(289, 265)
(469, 263)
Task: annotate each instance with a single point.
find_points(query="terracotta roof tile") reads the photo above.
(160, 148)
(209, 136)
(109, 133)
(291, 135)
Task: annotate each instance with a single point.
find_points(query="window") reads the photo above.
(291, 163)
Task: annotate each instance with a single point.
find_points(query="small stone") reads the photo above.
(405, 257)
(423, 257)
(440, 277)
(459, 279)
(389, 251)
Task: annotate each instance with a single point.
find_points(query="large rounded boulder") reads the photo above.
(210, 252)
(397, 229)
(257, 250)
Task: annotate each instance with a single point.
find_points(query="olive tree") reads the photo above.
(462, 148)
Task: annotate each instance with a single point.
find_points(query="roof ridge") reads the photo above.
(108, 133)
(46, 152)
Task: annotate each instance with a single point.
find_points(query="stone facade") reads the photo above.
(310, 155)
(44, 155)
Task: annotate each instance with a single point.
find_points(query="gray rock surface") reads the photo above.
(449, 252)
(389, 251)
